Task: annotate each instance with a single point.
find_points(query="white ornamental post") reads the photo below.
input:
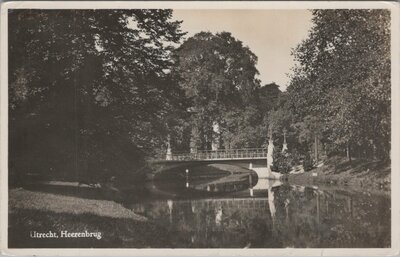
(284, 147)
(270, 158)
(215, 137)
(169, 151)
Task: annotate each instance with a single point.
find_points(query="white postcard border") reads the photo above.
(395, 181)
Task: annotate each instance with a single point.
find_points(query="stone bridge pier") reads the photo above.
(266, 172)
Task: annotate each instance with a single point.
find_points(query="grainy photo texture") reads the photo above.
(164, 128)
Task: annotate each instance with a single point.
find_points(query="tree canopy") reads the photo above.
(99, 91)
(89, 88)
(218, 74)
(343, 79)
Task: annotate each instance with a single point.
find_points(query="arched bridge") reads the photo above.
(246, 155)
(219, 155)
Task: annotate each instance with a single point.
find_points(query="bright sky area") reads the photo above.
(270, 34)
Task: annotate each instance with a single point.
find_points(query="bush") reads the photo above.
(307, 162)
(283, 162)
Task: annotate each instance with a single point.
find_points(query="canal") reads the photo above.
(223, 209)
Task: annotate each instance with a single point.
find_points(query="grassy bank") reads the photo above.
(359, 173)
(42, 212)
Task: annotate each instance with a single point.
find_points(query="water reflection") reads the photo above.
(265, 184)
(271, 203)
(227, 215)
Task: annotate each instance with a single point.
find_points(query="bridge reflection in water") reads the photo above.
(283, 216)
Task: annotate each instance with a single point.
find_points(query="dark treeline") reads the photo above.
(94, 93)
(89, 90)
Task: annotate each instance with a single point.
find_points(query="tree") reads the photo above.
(269, 97)
(218, 75)
(343, 79)
(89, 89)
(310, 133)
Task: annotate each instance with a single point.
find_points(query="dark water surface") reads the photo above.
(222, 211)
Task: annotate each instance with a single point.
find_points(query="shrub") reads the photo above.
(283, 162)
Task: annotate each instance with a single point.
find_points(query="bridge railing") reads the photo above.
(221, 154)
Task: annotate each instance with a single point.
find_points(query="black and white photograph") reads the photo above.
(199, 128)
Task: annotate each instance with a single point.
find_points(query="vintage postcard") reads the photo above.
(200, 128)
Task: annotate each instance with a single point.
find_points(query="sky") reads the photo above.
(270, 34)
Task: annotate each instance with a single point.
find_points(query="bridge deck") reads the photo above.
(221, 155)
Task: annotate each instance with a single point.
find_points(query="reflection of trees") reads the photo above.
(221, 223)
(303, 217)
(316, 218)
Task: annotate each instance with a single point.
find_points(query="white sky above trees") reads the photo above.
(270, 34)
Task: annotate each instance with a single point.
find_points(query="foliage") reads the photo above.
(307, 161)
(279, 120)
(269, 97)
(89, 89)
(283, 162)
(99, 91)
(340, 90)
(218, 75)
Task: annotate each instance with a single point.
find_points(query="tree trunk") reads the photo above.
(374, 154)
(348, 151)
(316, 148)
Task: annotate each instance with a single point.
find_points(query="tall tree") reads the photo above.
(218, 75)
(89, 88)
